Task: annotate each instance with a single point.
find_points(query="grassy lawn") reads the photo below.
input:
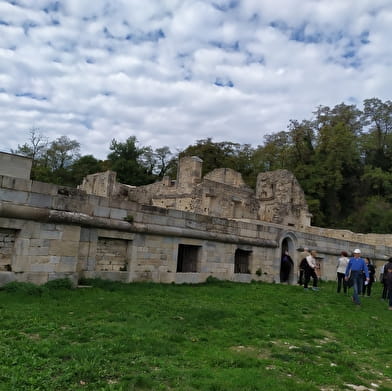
(216, 336)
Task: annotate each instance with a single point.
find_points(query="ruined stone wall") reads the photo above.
(101, 184)
(221, 193)
(49, 231)
(188, 173)
(282, 199)
(227, 176)
(15, 166)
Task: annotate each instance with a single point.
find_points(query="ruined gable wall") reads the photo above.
(282, 199)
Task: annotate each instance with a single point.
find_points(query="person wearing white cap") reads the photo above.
(355, 268)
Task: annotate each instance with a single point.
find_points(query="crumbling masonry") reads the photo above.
(179, 231)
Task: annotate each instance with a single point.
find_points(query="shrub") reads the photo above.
(23, 287)
(60, 283)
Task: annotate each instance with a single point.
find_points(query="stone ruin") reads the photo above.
(221, 193)
(181, 231)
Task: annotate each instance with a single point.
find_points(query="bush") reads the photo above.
(23, 287)
(61, 283)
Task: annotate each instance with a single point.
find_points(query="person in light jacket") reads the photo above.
(341, 271)
(310, 270)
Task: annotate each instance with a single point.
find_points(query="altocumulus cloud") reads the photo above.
(171, 72)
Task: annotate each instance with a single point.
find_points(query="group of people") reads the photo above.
(341, 268)
(359, 273)
(356, 272)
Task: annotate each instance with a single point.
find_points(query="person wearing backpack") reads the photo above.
(302, 265)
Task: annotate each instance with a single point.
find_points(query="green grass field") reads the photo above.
(217, 336)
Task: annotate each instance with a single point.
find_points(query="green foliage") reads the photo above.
(84, 166)
(129, 219)
(375, 215)
(61, 283)
(27, 288)
(216, 336)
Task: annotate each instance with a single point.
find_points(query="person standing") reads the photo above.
(388, 281)
(355, 268)
(310, 270)
(285, 267)
(367, 288)
(301, 267)
(383, 282)
(341, 270)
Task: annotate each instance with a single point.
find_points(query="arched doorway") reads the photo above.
(287, 264)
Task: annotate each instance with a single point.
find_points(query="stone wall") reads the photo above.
(49, 232)
(15, 166)
(7, 242)
(282, 199)
(222, 193)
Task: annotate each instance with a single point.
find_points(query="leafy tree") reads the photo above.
(375, 216)
(162, 156)
(377, 117)
(84, 166)
(62, 153)
(274, 154)
(126, 159)
(36, 147)
(337, 157)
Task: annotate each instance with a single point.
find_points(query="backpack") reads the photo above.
(303, 264)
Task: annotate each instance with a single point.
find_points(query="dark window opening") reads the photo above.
(241, 261)
(188, 257)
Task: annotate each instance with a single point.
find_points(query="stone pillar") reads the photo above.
(189, 173)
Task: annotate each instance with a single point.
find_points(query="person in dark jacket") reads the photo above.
(286, 266)
(367, 288)
(388, 281)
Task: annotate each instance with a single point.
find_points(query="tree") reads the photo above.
(377, 117)
(84, 166)
(127, 160)
(36, 148)
(162, 156)
(62, 153)
(337, 157)
(273, 155)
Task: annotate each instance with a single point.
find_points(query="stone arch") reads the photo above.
(288, 241)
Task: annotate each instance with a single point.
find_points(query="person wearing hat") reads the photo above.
(355, 268)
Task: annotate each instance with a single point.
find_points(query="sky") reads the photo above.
(171, 72)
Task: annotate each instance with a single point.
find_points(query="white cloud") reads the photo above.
(176, 71)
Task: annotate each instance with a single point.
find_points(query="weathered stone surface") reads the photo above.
(221, 228)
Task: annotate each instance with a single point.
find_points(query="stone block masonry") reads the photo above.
(103, 231)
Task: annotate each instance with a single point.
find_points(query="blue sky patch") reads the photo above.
(226, 6)
(54, 6)
(223, 83)
(30, 95)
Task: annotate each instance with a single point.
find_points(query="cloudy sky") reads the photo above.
(171, 72)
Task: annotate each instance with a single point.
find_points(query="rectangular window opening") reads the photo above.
(242, 261)
(188, 258)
